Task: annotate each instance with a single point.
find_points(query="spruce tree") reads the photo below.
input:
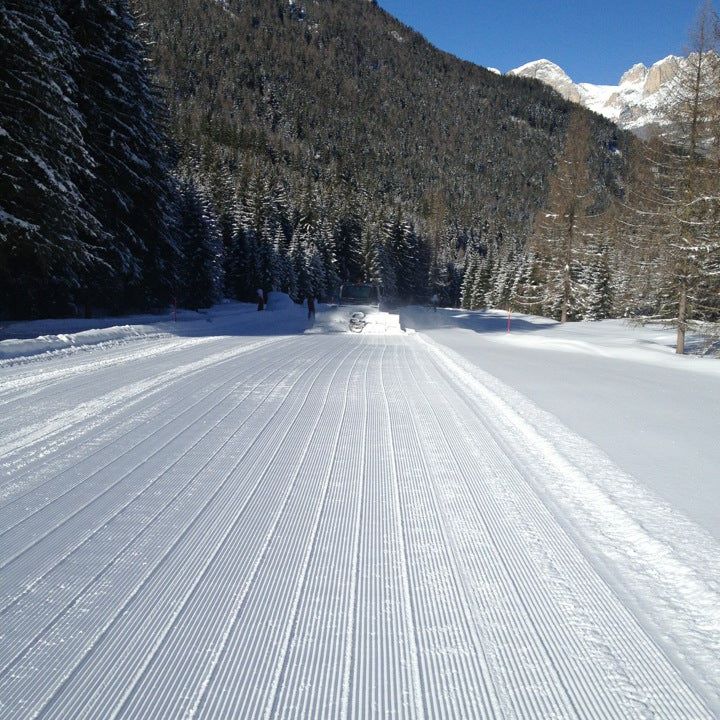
(600, 287)
(468, 283)
(559, 231)
(131, 190)
(527, 292)
(49, 236)
(201, 277)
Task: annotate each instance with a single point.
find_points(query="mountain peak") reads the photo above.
(635, 104)
(551, 74)
(636, 74)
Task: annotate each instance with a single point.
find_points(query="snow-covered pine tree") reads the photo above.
(131, 190)
(444, 277)
(298, 259)
(469, 277)
(502, 280)
(527, 291)
(201, 277)
(482, 285)
(239, 260)
(558, 236)
(328, 256)
(600, 295)
(404, 251)
(371, 271)
(49, 236)
(347, 234)
(692, 201)
(282, 212)
(415, 269)
(314, 270)
(678, 206)
(283, 273)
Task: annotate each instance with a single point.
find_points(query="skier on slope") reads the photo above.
(261, 299)
(434, 301)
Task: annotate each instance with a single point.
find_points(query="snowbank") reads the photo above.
(38, 337)
(27, 347)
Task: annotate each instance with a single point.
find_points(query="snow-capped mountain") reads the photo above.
(637, 103)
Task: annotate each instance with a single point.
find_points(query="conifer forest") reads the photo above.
(182, 151)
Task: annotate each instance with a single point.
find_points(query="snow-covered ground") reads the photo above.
(656, 415)
(238, 520)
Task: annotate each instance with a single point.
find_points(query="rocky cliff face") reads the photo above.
(639, 102)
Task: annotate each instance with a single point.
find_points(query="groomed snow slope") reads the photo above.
(329, 526)
(656, 415)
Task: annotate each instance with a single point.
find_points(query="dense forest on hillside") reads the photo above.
(158, 151)
(369, 132)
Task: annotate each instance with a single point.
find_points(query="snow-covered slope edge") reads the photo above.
(36, 339)
(623, 528)
(16, 350)
(639, 102)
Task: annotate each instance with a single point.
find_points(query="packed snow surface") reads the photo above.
(655, 414)
(240, 520)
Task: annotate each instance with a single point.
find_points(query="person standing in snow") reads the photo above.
(311, 307)
(434, 301)
(261, 299)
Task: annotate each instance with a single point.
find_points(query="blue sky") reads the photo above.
(594, 41)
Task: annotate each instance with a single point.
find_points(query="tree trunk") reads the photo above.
(682, 322)
(566, 294)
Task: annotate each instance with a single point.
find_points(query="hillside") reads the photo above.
(342, 93)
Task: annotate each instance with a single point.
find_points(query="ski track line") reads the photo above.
(168, 665)
(96, 380)
(528, 532)
(384, 677)
(61, 422)
(543, 671)
(51, 495)
(33, 585)
(32, 480)
(671, 589)
(38, 525)
(311, 552)
(31, 615)
(451, 652)
(241, 647)
(105, 408)
(29, 482)
(351, 615)
(636, 667)
(255, 441)
(523, 666)
(100, 657)
(351, 527)
(409, 612)
(308, 687)
(26, 381)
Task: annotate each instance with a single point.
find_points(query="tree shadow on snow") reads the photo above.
(421, 318)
